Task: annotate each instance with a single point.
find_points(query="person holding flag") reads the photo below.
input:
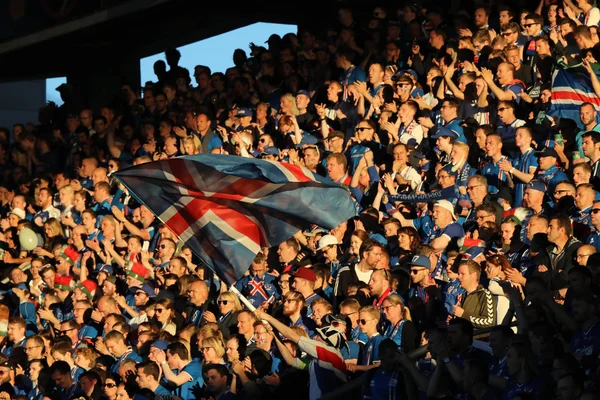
(258, 286)
(326, 366)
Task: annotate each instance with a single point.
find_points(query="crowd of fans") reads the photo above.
(495, 269)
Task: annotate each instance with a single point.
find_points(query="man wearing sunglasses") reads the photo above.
(594, 238)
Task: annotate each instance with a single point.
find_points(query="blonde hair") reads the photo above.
(57, 229)
(394, 300)
(88, 354)
(216, 343)
(372, 311)
(69, 191)
(300, 330)
(237, 306)
(210, 330)
(194, 141)
(290, 97)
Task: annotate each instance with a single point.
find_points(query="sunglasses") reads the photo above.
(224, 302)
(361, 129)
(203, 349)
(163, 246)
(110, 385)
(416, 271)
(529, 25)
(262, 140)
(160, 310)
(594, 210)
(364, 321)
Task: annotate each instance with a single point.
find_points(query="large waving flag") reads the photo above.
(227, 207)
(571, 87)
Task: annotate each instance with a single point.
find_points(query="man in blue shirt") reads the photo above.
(182, 372)
(549, 173)
(148, 376)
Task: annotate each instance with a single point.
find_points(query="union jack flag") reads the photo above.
(226, 208)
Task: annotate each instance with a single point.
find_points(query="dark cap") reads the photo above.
(547, 152)
(444, 132)
(335, 134)
(448, 168)
(271, 150)
(420, 261)
(244, 112)
(304, 92)
(536, 185)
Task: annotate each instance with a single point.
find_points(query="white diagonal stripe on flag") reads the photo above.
(209, 217)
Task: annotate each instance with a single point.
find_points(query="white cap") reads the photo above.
(327, 240)
(18, 212)
(445, 204)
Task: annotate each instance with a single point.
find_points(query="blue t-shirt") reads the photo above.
(370, 354)
(185, 391)
(523, 163)
(496, 178)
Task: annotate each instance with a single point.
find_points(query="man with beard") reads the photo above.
(587, 116)
(293, 304)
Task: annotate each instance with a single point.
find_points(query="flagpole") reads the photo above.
(242, 298)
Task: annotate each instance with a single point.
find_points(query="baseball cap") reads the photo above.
(304, 92)
(547, 152)
(18, 212)
(307, 139)
(107, 268)
(444, 132)
(326, 240)
(271, 150)
(536, 185)
(420, 261)
(160, 344)
(314, 232)
(112, 279)
(145, 288)
(411, 72)
(472, 253)
(335, 134)
(244, 112)
(449, 170)
(445, 204)
(306, 273)
(418, 155)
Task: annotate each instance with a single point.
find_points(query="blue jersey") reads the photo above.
(594, 240)
(370, 354)
(523, 163)
(194, 370)
(258, 290)
(496, 178)
(551, 177)
(394, 332)
(451, 294)
(383, 385)
(128, 354)
(359, 336)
